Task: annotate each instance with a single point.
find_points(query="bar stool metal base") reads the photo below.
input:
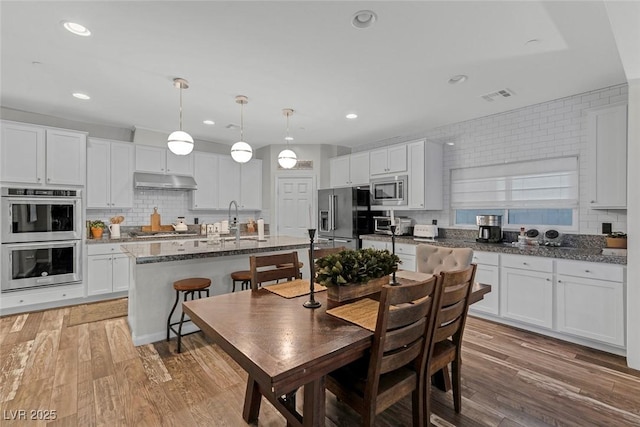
(186, 294)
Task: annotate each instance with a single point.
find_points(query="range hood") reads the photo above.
(143, 180)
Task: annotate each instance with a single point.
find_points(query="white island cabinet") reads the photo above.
(107, 269)
(33, 154)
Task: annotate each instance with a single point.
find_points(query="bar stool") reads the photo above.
(189, 287)
(244, 277)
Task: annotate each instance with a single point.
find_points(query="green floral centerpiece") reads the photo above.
(350, 274)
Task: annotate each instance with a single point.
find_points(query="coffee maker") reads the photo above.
(489, 228)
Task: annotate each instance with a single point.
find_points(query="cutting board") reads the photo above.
(155, 221)
(147, 228)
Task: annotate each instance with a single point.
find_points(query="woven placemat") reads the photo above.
(363, 313)
(294, 288)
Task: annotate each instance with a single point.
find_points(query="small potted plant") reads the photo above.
(97, 227)
(617, 239)
(351, 274)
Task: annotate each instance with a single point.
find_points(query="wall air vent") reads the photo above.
(499, 94)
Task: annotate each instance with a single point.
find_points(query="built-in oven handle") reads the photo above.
(342, 240)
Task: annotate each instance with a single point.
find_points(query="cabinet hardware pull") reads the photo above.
(548, 280)
(587, 271)
(524, 263)
(559, 281)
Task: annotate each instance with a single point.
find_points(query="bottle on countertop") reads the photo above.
(522, 238)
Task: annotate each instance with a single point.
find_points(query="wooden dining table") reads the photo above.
(284, 346)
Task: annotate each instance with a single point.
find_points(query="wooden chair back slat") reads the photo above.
(444, 332)
(407, 313)
(404, 336)
(323, 252)
(394, 360)
(451, 313)
(264, 268)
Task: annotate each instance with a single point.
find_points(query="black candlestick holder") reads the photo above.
(393, 227)
(312, 303)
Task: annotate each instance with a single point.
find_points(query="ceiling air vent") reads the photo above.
(503, 93)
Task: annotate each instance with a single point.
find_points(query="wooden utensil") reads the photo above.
(155, 220)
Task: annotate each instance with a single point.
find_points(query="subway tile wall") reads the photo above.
(551, 129)
(170, 204)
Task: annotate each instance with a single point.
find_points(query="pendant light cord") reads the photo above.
(242, 121)
(181, 107)
(287, 138)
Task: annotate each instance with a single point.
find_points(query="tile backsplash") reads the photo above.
(170, 204)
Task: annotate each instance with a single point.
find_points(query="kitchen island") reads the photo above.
(156, 265)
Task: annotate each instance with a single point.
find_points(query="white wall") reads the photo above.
(633, 209)
(550, 129)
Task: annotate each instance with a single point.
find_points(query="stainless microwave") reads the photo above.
(389, 191)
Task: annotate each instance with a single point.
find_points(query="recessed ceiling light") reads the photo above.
(288, 138)
(209, 122)
(451, 143)
(77, 29)
(351, 116)
(364, 19)
(459, 78)
(82, 96)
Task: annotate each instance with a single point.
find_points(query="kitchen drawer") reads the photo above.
(485, 258)
(404, 248)
(103, 249)
(528, 263)
(591, 270)
(42, 295)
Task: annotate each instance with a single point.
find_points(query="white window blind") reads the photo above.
(547, 183)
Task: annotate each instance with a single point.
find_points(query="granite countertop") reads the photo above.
(126, 238)
(148, 252)
(570, 253)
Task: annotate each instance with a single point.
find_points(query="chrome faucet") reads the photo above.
(234, 225)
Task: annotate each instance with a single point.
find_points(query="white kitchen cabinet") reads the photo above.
(161, 160)
(108, 269)
(388, 160)
(607, 157)
(349, 170)
(590, 301)
(487, 272)
(41, 297)
(406, 252)
(229, 181)
(37, 155)
(425, 175)
(110, 166)
(251, 185)
(526, 290)
(205, 172)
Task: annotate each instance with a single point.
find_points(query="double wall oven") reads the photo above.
(41, 237)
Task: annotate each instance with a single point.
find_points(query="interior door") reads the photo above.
(295, 207)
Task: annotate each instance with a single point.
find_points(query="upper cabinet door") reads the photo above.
(378, 162)
(359, 168)
(607, 151)
(180, 165)
(206, 175)
(151, 159)
(22, 153)
(229, 181)
(397, 158)
(66, 157)
(98, 174)
(251, 185)
(339, 171)
(122, 167)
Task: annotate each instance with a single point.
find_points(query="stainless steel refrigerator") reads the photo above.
(343, 215)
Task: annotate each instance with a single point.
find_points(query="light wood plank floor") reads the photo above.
(92, 375)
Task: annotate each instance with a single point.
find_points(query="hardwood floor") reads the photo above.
(92, 375)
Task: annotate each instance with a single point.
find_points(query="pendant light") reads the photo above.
(241, 152)
(287, 158)
(180, 142)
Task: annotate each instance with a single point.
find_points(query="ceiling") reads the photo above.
(304, 55)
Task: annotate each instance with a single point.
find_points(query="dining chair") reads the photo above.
(449, 327)
(264, 268)
(398, 356)
(435, 259)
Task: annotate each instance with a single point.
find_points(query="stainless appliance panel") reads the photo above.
(35, 218)
(29, 265)
(343, 212)
(390, 191)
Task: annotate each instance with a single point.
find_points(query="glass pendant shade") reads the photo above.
(180, 143)
(241, 152)
(287, 159)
